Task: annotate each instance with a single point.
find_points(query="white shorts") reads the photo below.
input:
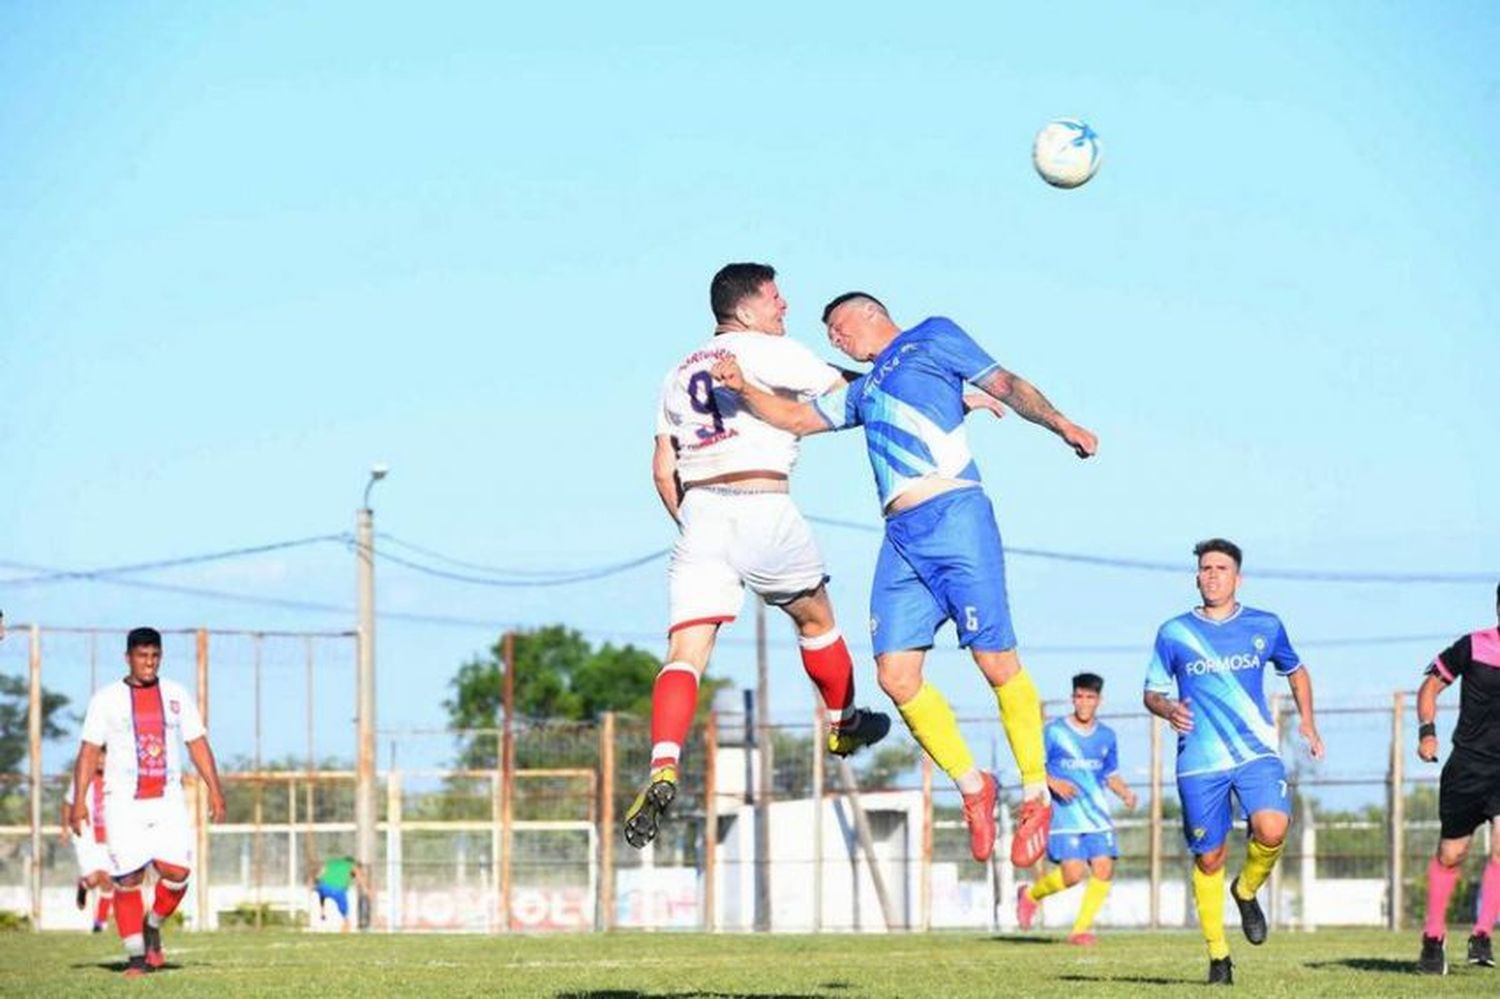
(143, 831)
(732, 540)
(91, 855)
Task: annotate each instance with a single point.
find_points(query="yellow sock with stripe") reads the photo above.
(936, 730)
(1021, 714)
(1048, 884)
(1093, 897)
(1259, 859)
(1208, 892)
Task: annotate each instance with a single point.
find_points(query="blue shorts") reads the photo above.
(941, 560)
(1260, 785)
(340, 897)
(1080, 846)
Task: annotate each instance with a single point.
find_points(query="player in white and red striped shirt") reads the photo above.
(141, 720)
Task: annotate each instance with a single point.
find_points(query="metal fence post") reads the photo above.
(1156, 810)
(927, 829)
(206, 917)
(34, 750)
(394, 917)
(1397, 812)
(818, 777)
(710, 918)
(507, 782)
(607, 822)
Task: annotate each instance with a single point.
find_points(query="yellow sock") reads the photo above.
(1048, 884)
(1093, 897)
(1021, 714)
(936, 730)
(1208, 892)
(1259, 859)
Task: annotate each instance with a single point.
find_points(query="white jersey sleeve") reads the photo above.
(191, 725)
(96, 720)
(786, 367)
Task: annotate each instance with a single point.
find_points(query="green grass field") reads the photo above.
(639, 965)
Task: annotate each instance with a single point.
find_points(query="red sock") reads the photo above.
(1440, 883)
(826, 659)
(168, 895)
(674, 699)
(130, 913)
(101, 911)
(1489, 899)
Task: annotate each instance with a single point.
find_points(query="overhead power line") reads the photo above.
(74, 575)
(583, 576)
(1147, 565)
(525, 574)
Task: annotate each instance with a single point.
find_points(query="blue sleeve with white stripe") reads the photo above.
(840, 409)
(1282, 654)
(956, 351)
(1111, 758)
(1159, 677)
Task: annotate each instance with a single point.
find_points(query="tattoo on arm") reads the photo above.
(1158, 704)
(1024, 398)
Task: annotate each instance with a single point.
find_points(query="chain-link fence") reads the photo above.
(768, 831)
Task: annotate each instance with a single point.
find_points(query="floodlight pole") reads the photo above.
(365, 815)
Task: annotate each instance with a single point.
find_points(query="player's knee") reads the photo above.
(1452, 852)
(1272, 836)
(170, 872)
(999, 668)
(899, 685)
(1211, 863)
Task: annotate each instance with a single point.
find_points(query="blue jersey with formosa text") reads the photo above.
(1086, 760)
(1218, 667)
(911, 404)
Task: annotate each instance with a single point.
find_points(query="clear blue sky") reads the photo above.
(248, 250)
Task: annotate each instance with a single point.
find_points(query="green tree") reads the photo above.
(560, 676)
(15, 694)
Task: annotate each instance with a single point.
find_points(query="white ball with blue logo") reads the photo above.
(1066, 152)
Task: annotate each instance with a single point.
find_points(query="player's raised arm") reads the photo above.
(1029, 403)
(798, 418)
(664, 474)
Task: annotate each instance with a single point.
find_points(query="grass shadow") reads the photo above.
(1019, 938)
(1385, 965)
(1127, 979)
(634, 994)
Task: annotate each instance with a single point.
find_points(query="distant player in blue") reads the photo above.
(942, 559)
(1213, 658)
(1082, 761)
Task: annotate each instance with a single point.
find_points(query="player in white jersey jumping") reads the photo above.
(139, 721)
(89, 849)
(722, 476)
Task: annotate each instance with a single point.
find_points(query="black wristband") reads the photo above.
(1427, 730)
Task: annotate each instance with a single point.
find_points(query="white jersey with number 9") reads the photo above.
(715, 432)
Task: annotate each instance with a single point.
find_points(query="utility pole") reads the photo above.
(364, 786)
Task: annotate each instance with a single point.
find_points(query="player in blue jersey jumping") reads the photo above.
(1213, 658)
(942, 558)
(1082, 761)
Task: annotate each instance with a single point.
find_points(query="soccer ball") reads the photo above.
(1066, 152)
